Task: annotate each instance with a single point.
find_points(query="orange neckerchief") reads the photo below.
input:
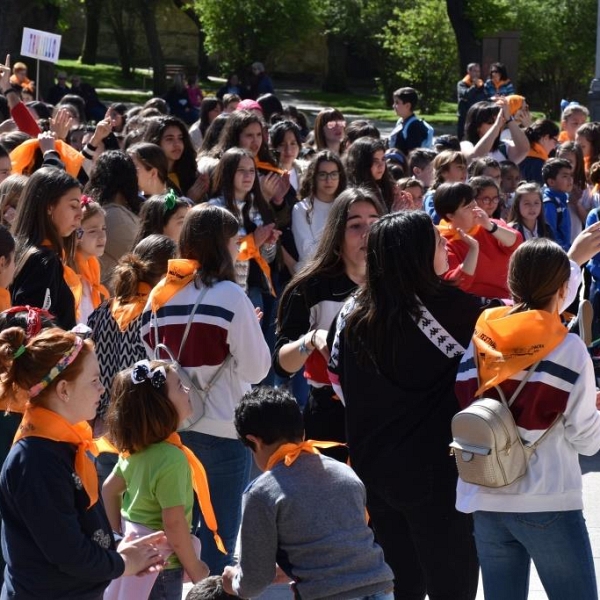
(180, 272)
(124, 313)
(288, 453)
(563, 137)
(447, 231)
(467, 79)
(89, 270)
(248, 250)
(43, 423)
(587, 162)
(199, 480)
(265, 166)
(537, 151)
(500, 83)
(22, 156)
(71, 278)
(5, 302)
(175, 179)
(508, 343)
(200, 484)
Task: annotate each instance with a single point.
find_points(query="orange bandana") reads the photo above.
(563, 137)
(23, 155)
(265, 166)
(200, 484)
(43, 423)
(199, 480)
(508, 343)
(288, 453)
(89, 270)
(5, 302)
(124, 313)
(248, 250)
(448, 232)
(515, 103)
(536, 151)
(179, 273)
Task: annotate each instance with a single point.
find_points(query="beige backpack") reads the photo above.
(486, 442)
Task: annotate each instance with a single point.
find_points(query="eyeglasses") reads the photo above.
(488, 200)
(334, 124)
(326, 176)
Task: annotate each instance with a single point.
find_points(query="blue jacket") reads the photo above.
(557, 216)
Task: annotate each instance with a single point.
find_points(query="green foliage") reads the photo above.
(238, 33)
(491, 16)
(420, 51)
(556, 54)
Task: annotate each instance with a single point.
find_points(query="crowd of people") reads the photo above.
(187, 285)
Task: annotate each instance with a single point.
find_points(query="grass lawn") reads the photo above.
(112, 86)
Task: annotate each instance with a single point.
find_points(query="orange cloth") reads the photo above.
(200, 484)
(199, 481)
(43, 423)
(89, 271)
(248, 250)
(288, 453)
(124, 313)
(451, 234)
(537, 151)
(508, 343)
(265, 166)
(467, 79)
(23, 155)
(515, 103)
(563, 137)
(180, 272)
(4, 299)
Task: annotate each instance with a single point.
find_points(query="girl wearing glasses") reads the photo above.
(324, 180)
(487, 195)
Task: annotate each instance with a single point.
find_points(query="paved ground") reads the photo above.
(591, 498)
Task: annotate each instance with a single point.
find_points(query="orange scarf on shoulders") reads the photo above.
(449, 233)
(89, 271)
(126, 312)
(265, 166)
(44, 423)
(537, 151)
(248, 250)
(180, 272)
(199, 480)
(508, 343)
(288, 453)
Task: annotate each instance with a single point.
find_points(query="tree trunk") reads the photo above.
(122, 26)
(93, 13)
(335, 78)
(148, 17)
(202, 67)
(469, 46)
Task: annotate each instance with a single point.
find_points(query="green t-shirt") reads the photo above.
(158, 477)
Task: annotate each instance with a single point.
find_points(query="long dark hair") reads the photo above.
(206, 106)
(358, 161)
(185, 168)
(478, 114)
(400, 253)
(205, 237)
(33, 224)
(326, 115)
(327, 260)
(155, 214)
(235, 124)
(223, 186)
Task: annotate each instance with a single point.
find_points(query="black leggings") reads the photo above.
(428, 544)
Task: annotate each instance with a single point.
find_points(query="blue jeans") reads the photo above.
(168, 585)
(377, 596)
(557, 542)
(227, 463)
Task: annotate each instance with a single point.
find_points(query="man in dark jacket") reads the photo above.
(469, 90)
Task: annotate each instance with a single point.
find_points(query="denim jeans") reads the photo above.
(557, 542)
(268, 306)
(168, 585)
(227, 463)
(377, 596)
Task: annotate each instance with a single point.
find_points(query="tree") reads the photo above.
(93, 15)
(238, 33)
(147, 12)
(414, 58)
(188, 10)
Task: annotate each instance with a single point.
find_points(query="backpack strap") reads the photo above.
(405, 124)
(514, 397)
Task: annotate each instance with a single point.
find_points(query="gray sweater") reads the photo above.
(309, 518)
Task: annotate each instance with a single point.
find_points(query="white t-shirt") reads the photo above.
(307, 226)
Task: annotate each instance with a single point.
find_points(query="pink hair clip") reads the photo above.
(85, 200)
